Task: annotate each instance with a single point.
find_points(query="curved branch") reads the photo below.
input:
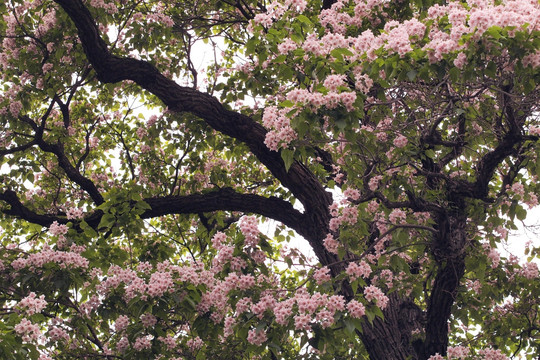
(72, 173)
(19, 210)
(110, 69)
(224, 199)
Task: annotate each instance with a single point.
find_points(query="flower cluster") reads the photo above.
(249, 226)
(27, 330)
(32, 305)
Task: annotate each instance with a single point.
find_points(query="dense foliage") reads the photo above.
(399, 138)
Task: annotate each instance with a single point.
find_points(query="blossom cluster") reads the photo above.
(32, 304)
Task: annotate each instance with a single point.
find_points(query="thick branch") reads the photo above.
(223, 199)
(19, 210)
(110, 69)
(226, 199)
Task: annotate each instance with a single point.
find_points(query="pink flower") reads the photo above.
(331, 244)
(287, 46)
(58, 334)
(160, 283)
(218, 239)
(495, 258)
(397, 216)
(249, 228)
(374, 182)
(74, 213)
(57, 229)
(283, 311)
(121, 323)
(332, 82)
(322, 275)
(195, 343)
(256, 337)
(437, 356)
(122, 344)
(33, 305)
(460, 60)
(356, 309)
(15, 108)
(301, 322)
(352, 193)
(400, 141)
(374, 293)
(27, 330)
(148, 320)
(355, 270)
(142, 342)
(457, 352)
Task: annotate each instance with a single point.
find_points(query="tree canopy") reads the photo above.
(400, 139)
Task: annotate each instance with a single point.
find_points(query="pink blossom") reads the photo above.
(15, 108)
(332, 82)
(195, 343)
(348, 99)
(335, 303)
(373, 206)
(495, 257)
(302, 322)
(121, 323)
(32, 305)
(142, 342)
(460, 60)
(57, 229)
(356, 309)
(58, 334)
(169, 341)
(534, 130)
(518, 189)
(27, 330)
(437, 356)
(355, 270)
(243, 305)
(374, 293)
(331, 244)
(530, 270)
(457, 352)
(218, 239)
(256, 337)
(74, 213)
(397, 216)
(322, 275)
(374, 182)
(148, 320)
(250, 230)
(283, 311)
(400, 141)
(160, 283)
(490, 354)
(287, 46)
(353, 194)
(228, 325)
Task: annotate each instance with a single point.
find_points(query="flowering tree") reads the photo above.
(400, 139)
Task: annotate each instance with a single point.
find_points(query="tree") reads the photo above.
(400, 139)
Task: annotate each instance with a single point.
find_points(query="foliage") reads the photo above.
(399, 139)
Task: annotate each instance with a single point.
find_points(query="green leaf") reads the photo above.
(288, 158)
(304, 19)
(411, 74)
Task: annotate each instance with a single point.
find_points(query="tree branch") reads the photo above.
(110, 69)
(221, 200)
